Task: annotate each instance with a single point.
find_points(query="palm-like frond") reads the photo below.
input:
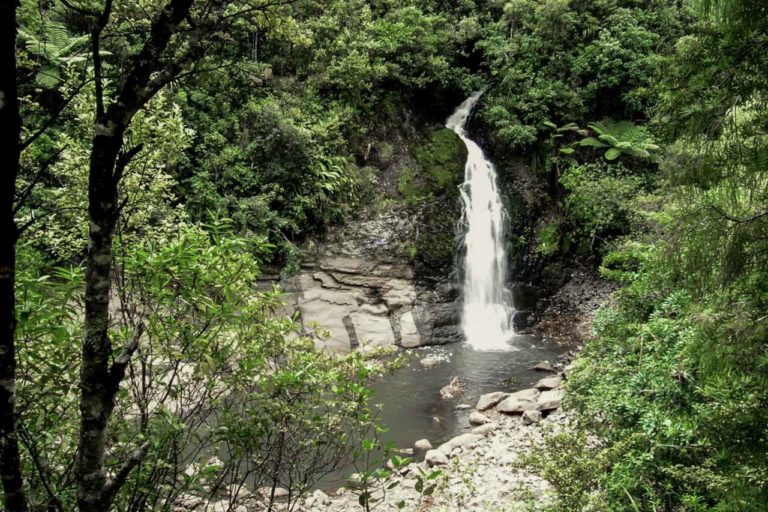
(56, 48)
(621, 138)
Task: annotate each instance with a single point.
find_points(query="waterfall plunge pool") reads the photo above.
(409, 400)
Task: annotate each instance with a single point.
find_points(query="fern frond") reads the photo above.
(592, 142)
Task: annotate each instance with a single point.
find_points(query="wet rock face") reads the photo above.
(359, 302)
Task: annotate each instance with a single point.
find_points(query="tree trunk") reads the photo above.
(100, 373)
(10, 147)
(96, 382)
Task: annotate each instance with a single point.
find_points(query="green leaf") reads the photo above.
(592, 142)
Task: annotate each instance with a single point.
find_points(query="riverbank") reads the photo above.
(481, 470)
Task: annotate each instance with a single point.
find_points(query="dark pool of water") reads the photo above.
(409, 398)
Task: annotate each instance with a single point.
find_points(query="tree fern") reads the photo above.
(621, 138)
(56, 48)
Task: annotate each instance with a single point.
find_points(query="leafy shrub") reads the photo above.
(574, 466)
(223, 389)
(599, 204)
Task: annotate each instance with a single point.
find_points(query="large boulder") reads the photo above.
(458, 442)
(436, 458)
(409, 333)
(420, 448)
(484, 430)
(549, 400)
(489, 400)
(549, 382)
(531, 417)
(544, 366)
(478, 418)
(519, 402)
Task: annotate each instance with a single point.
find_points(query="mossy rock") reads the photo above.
(440, 159)
(434, 250)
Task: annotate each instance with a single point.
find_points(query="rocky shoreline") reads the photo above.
(480, 470)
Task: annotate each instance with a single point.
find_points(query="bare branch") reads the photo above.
(737, 220)
(114, 485)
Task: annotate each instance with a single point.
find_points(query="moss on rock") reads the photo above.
(431, 188)
(440, 159)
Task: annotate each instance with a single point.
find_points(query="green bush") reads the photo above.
(224, 387)
(599, 205)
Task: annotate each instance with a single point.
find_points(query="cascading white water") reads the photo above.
(486, 316)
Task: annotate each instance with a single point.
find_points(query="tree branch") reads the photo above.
(117, 370)
(22, 197)
(82, 10)
(114, 485)
(737, 220)
(35, 455)
(124, 159)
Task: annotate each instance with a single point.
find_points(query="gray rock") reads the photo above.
(522, 320)
(458, 442)
(436, 458)
(409, 333)
(219, 506)
(239, 492)
(530, 417)
(478, 418)
(462, 407)
(549, 382)
(489, 400)
(321, 498)
(519, 402)
(550, 400)
(372, 330)
(420, 448)
(544, 366)
(281, 493)
(187, 502)
(484, 430)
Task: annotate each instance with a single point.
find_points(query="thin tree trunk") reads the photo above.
(100, 373)
(96, 382)
(10, 147)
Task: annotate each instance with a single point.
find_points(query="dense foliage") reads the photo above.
(636, 131)
(169, 152)
(674, 385)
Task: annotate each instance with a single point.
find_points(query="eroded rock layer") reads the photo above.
(353, 303)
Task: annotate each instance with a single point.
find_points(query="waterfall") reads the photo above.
(485, 319)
